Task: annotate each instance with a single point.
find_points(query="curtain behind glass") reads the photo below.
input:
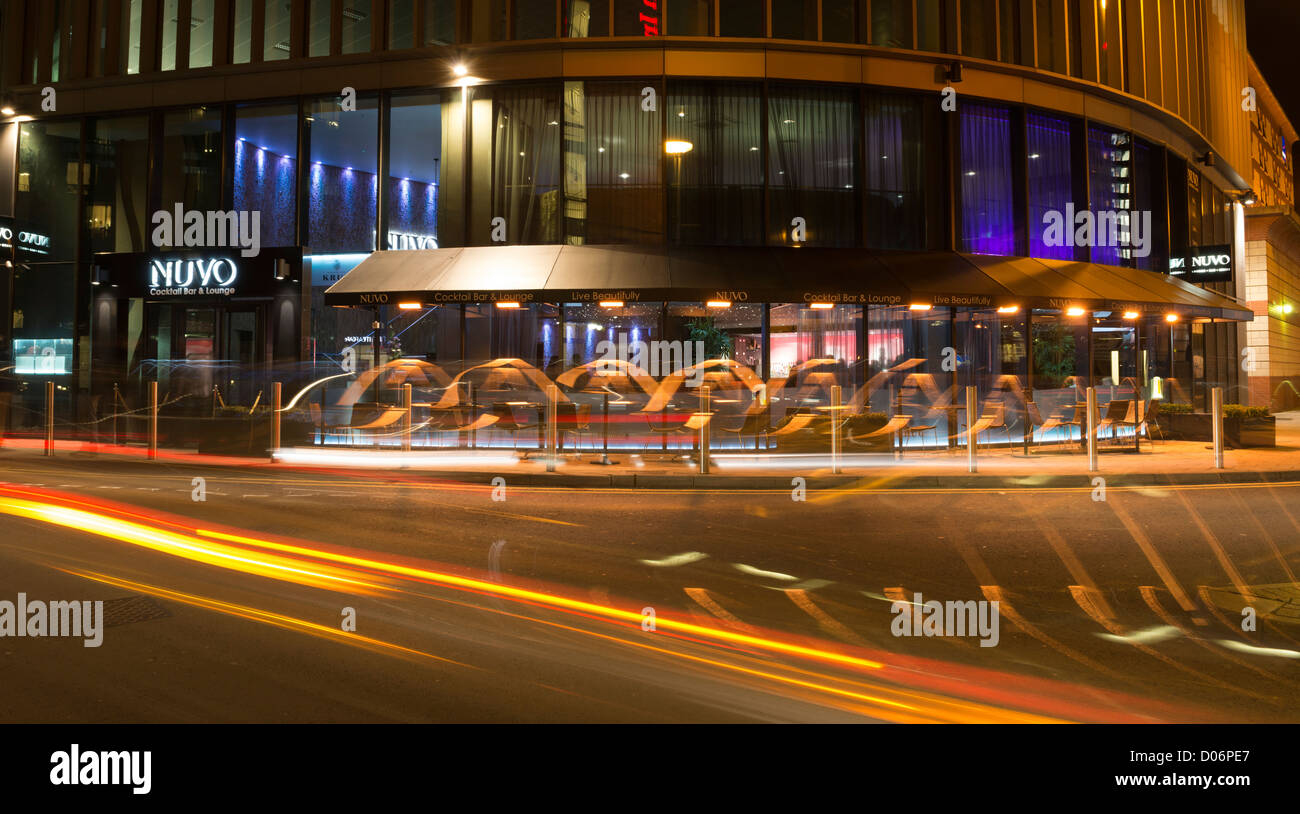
(715, 191)
(526, 162)
(812, 142)
(1050, 181)
(613, 153)
(1110, 187)
(585, 18)
(895, 172)
(987, 208)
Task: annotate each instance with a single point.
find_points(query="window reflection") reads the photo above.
(343, 179)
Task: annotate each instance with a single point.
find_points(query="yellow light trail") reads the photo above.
(191, 548)
(554, 600)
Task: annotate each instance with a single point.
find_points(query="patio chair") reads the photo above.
(331, 419)
(894, 426)
(574, 420)
(994, 417)
(1117, 412)
(756, 422)
(1151, 421)
(384, 423)
(1057, 420)
(508, 420)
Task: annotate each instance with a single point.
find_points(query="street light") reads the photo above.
(678, 148)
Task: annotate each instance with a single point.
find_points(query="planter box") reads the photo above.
(1237, 432)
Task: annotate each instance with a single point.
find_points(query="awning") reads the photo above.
(528, 274)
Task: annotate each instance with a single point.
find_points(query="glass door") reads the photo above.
(240, 357)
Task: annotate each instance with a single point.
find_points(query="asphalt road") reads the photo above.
(533, 607)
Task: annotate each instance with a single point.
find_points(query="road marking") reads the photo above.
(676, 559)
(759, 572)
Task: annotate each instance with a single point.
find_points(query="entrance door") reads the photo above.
(239, 353)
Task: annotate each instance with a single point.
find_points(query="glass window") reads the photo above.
(414, 171)
(586, 18)
(1051, 184)
(716, 184)
(812, 349)
(201, 33)
(1110, 66)
(1052, 53)
(129, 47)
(891, 23)
(612, 155)
(275, 39)
(343, 181)
(812, 143)
(46, 197)
(688, 18)
(742, 18)
(318, 28)
(1110, 188)
(840, 20)
(794, 19)
(242, 50)
(534, 19)
(987, 207)
(979, 36)
(929, 25)
(895, 172)
(191, 158)
(167, 55)
(356, 26)
(1148, 189)
(59, 11)
(401, 24)
(439, 22)
(526, 161)
(635, 18)
(46, 201)
(99, 28)
(1009, 20)
(266, 148)
(118, 153)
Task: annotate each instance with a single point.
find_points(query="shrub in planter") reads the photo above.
(1243, 426)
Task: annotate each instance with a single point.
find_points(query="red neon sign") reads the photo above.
(650, 22)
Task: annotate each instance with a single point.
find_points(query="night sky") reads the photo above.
(1272, 33)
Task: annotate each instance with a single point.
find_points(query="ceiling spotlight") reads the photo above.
(1074, 311)
(1008, 309)
(1131, 315)
(459, 69)
(1171, 317)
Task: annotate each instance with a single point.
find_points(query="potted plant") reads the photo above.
(1242, 426)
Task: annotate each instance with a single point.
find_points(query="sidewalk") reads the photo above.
(1161, 463)
(1166, 463)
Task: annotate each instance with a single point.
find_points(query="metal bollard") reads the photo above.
(1216, 408)
(469, 413)
(552, 426)
(835, 429)
(153, 420)
(972, 407)
(275, 418)
(406, 419)
(1092, 429)
(1027, 432)
(49, 418)
(704, 429)
(117, 399)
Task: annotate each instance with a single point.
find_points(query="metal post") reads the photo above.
(469, 395)
(1216, 401)
(704, 430)
(275, 417)
(835, 429)
(49, 418)
(406, 419)
(552, 427)
(1092, 429)
(972, 407)
(117, 399)
(153, 420)
(1028, 433)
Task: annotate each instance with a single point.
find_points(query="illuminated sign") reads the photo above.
(192, 277)
(403, 240)
(43, 357)
(33, 242)
(1204, 264)
(650, 21)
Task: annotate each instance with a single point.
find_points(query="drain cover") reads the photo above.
(131, 609)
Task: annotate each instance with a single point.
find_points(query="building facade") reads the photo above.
(1272, 249)
(885, 184)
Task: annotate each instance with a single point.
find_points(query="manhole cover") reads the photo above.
(1280, 601)
(130, 609)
